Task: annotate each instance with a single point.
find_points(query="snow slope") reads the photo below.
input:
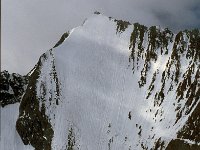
(10, 139)
(101, 91)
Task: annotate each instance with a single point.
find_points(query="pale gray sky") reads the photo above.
(31, 27)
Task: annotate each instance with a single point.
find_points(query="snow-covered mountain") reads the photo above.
(112, 85)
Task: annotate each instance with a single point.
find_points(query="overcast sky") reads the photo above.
(31, 27)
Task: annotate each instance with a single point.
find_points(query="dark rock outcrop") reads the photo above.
(33, 125)
(12, 87)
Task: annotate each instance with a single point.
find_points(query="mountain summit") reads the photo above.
(112, 85)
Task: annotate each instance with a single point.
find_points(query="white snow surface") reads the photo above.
(99, 90)
(10, 139)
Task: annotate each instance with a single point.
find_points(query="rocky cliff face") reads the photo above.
(110, 84)
(12, 87)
